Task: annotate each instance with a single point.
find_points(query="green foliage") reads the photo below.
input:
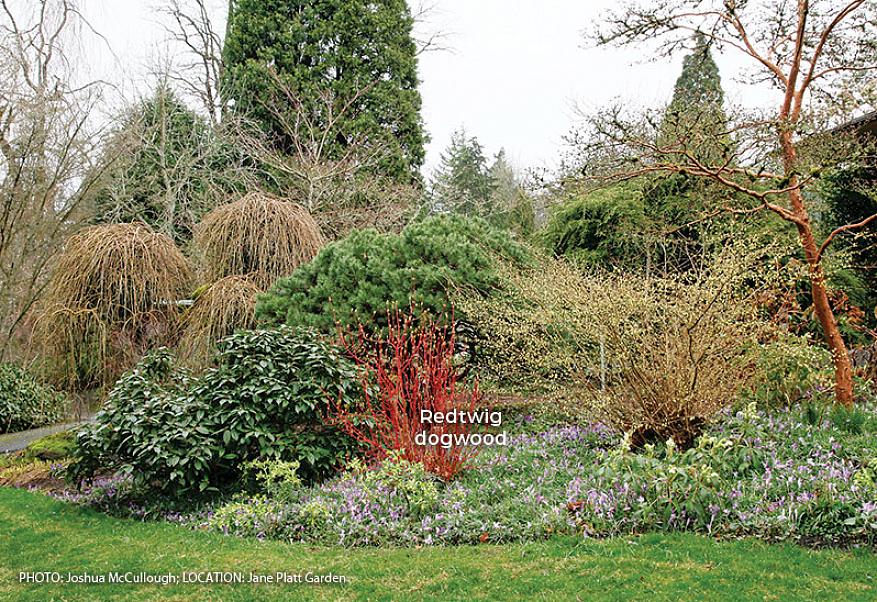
(517, 214)
(850, 197)
(790, 370)
(603, 227)
(733, 482)
(851, 420)
(166, 167)
(465, 184)
(866, 476)
(266, 399)
(359, 54)
(356, 280)
(26, 403)
(151, 430)
(512, 207)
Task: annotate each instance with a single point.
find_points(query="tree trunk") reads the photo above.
(843, 370)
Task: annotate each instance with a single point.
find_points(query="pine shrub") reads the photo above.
(359, 278)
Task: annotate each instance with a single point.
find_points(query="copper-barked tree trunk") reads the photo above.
(809, 50)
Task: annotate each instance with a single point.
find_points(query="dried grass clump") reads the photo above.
(112, 294)
(260, 235)
(227, 305)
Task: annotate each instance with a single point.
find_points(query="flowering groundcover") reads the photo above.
(772, 475)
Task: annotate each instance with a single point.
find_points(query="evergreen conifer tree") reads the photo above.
(357, 56)
(462, 183)
(696, 112)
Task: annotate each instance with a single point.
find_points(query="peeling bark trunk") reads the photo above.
(789, 114)
(843, 370)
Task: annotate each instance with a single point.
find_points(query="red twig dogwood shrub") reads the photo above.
(405, 370)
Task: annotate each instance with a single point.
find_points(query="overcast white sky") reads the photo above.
(514, 73)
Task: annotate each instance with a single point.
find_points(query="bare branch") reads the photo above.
(840, 230)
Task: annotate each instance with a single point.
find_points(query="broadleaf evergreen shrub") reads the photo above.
(26, 403)
(265, 399)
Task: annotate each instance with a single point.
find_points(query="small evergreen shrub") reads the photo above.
(416, 486)
(25, 403)
(265, 399)
(152, 429)
(276, 478)
(257, 517)
(357, 279)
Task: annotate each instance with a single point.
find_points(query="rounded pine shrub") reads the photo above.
(358, 279)
(25, 403)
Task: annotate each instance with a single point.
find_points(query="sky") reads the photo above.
(512, 72)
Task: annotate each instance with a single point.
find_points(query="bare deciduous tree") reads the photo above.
(198, 71)
(341, 189)
(427, 37)
(170, 167)
(813, 53)
(47, 142)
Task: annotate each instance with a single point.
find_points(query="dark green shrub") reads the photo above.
(269, 395)
(26, 403)
(150, 429)
(602, 227)
(852, 420)
(265, 399)
(355, 279)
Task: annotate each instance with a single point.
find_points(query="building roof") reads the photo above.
(864, 124)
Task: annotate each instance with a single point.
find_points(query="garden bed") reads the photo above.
(800, 476)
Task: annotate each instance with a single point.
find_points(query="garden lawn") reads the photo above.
(38, 533)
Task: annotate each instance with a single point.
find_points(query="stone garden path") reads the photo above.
(11, 442)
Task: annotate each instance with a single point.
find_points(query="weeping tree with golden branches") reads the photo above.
(817, 55)
(111, 296)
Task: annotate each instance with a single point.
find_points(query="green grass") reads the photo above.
(38, 533)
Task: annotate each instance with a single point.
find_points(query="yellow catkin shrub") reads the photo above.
(259, 235)
(673, 350)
